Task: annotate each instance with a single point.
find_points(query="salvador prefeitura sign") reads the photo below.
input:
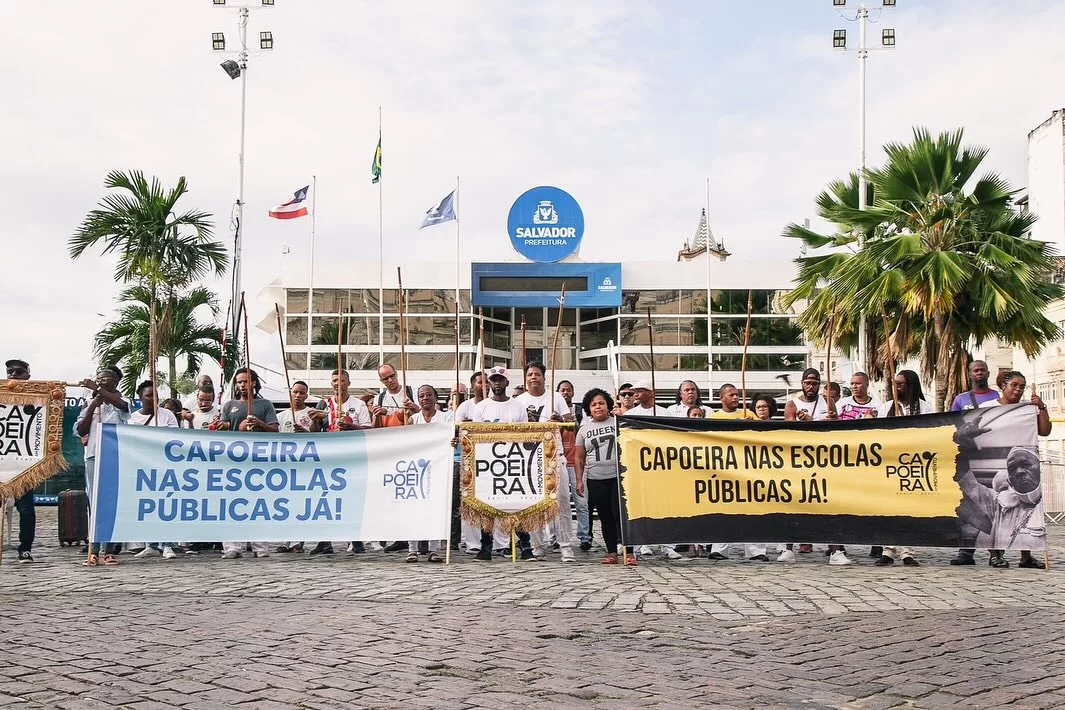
(967, 479)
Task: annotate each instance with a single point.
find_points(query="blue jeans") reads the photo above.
(580, 503)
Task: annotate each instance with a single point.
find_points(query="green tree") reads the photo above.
(182, 339)
(156, 247)
(932, 264)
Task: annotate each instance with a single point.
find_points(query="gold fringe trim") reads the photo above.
(485, 517)
(33, 476)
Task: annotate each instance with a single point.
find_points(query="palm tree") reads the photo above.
(181, 336)
(154, 244)
(937, 266)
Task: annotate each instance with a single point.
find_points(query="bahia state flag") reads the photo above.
(294, 207)
(443, 211)
(375, 167)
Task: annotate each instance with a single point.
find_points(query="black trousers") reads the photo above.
(27, 521)
(603, 497)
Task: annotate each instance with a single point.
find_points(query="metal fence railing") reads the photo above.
(1053, 474)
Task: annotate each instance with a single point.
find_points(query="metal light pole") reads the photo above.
(839, 41)
(235, 69)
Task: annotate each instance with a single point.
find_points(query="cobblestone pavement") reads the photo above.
(370, 631)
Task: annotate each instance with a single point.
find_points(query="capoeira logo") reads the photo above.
(918, 472)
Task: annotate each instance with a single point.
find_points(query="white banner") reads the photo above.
(160, 484)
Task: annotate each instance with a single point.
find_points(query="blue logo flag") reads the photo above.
(443, 211)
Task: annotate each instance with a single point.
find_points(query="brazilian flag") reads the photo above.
(375, 169)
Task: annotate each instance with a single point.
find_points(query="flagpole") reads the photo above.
(458, 279)
(310, 277)
(709, 302)
(381, 253)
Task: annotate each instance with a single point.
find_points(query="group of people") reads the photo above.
(588, 447)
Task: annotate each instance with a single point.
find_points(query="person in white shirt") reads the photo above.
(644, 402)
(203, 411)
(688, 395)
(499, 408)
(202, 381)
(106, 406)
(467, 411)
(342, 411)
(150, 414)
(428, 414)
(543, 406)
(644, 406)
(907, 400)
(297, 419)
(861, 404)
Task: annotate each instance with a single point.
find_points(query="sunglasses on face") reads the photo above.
(625, 394)
(17, 371)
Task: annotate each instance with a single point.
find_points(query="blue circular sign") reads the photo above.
(545, 224)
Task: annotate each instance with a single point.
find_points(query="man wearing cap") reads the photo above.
(645, 406)
(809, 405)
(27, 514)
(500, 408)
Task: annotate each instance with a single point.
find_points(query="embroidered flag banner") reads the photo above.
(966, 479)
(198, 486)
(31, 434)
(509, 475)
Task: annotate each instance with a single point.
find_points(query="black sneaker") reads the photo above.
(876, 551)
(963, 559)
(910, 561)
(396, 546)
(358, 547)
(24, 558)
(527, 554)
(884, 561)
(717, 556)
(585, 546)
(322, 548)
(483, 555)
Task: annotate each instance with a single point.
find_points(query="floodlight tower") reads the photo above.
(839, 41)
(235, 69)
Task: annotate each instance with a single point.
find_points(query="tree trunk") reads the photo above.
(152, 357)
(942, 349)
(172, 373)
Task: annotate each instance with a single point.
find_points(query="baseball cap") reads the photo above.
(17, 363)
(643, 385)
(498, 371)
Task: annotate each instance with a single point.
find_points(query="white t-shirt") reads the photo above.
(287, 419)
(163, 417)
(887, 407)
(681, 410)
(655, 411)
(352, 407)
(847, 408)
(391, 402)
(105, 414)
(818, 408)
(467, 411)
(508, 412)
(543, 403)
(201, 420)
(989, 403)
(438, 418)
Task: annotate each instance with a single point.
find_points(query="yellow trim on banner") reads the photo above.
(53, 397)
(871, 472)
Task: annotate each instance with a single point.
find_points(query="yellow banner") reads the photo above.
(866, 472)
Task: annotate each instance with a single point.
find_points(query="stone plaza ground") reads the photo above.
(369, 631)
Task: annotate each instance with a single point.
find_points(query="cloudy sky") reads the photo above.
(630, 106)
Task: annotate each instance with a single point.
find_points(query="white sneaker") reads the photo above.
(149, 552)
(567, 554)
(839, 557)
(168, 553)
(788, 556)
(231, 555)
(672, 554)
(644, 551)
(351, 548)
(262, 554)
(538, 552)
(375, 546)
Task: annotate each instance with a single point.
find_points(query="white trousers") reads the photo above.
(563, 524)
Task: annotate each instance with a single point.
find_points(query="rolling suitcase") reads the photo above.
(73, 517)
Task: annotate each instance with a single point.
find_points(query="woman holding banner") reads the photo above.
(907, 399)
(428, 414)
(597, 462)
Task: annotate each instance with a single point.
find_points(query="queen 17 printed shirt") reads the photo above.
(600, 443)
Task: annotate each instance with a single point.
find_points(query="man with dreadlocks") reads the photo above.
(235, 417)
